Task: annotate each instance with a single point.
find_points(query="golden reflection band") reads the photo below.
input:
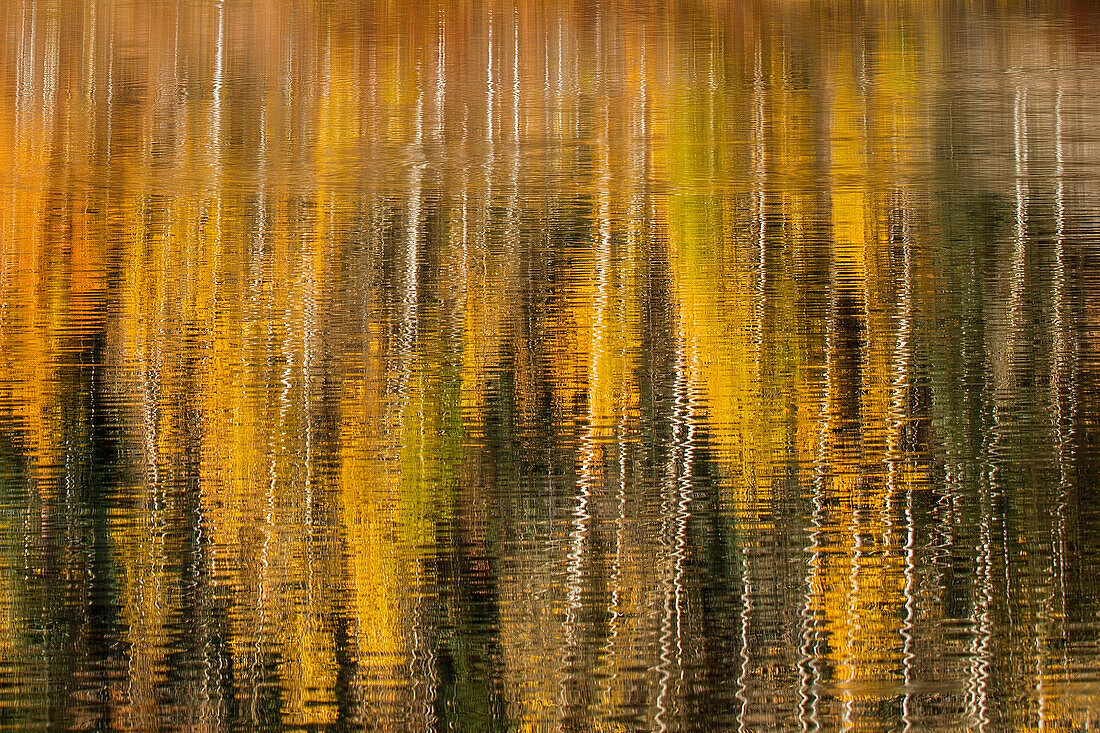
(540, 361)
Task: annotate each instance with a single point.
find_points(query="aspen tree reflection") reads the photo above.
(546, 365)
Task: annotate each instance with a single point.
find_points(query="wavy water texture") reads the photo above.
(549, 365)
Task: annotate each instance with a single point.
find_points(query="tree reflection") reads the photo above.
(546, 365)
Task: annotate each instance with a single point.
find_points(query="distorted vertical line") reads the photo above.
(898, 459)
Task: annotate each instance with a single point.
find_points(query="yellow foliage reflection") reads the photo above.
(579, 366)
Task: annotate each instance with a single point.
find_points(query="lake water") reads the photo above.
(567, 365)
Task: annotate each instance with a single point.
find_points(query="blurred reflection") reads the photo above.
(548, 365)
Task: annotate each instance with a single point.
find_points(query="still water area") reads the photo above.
(583, 365)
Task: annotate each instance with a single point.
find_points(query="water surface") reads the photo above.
(418, 365)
